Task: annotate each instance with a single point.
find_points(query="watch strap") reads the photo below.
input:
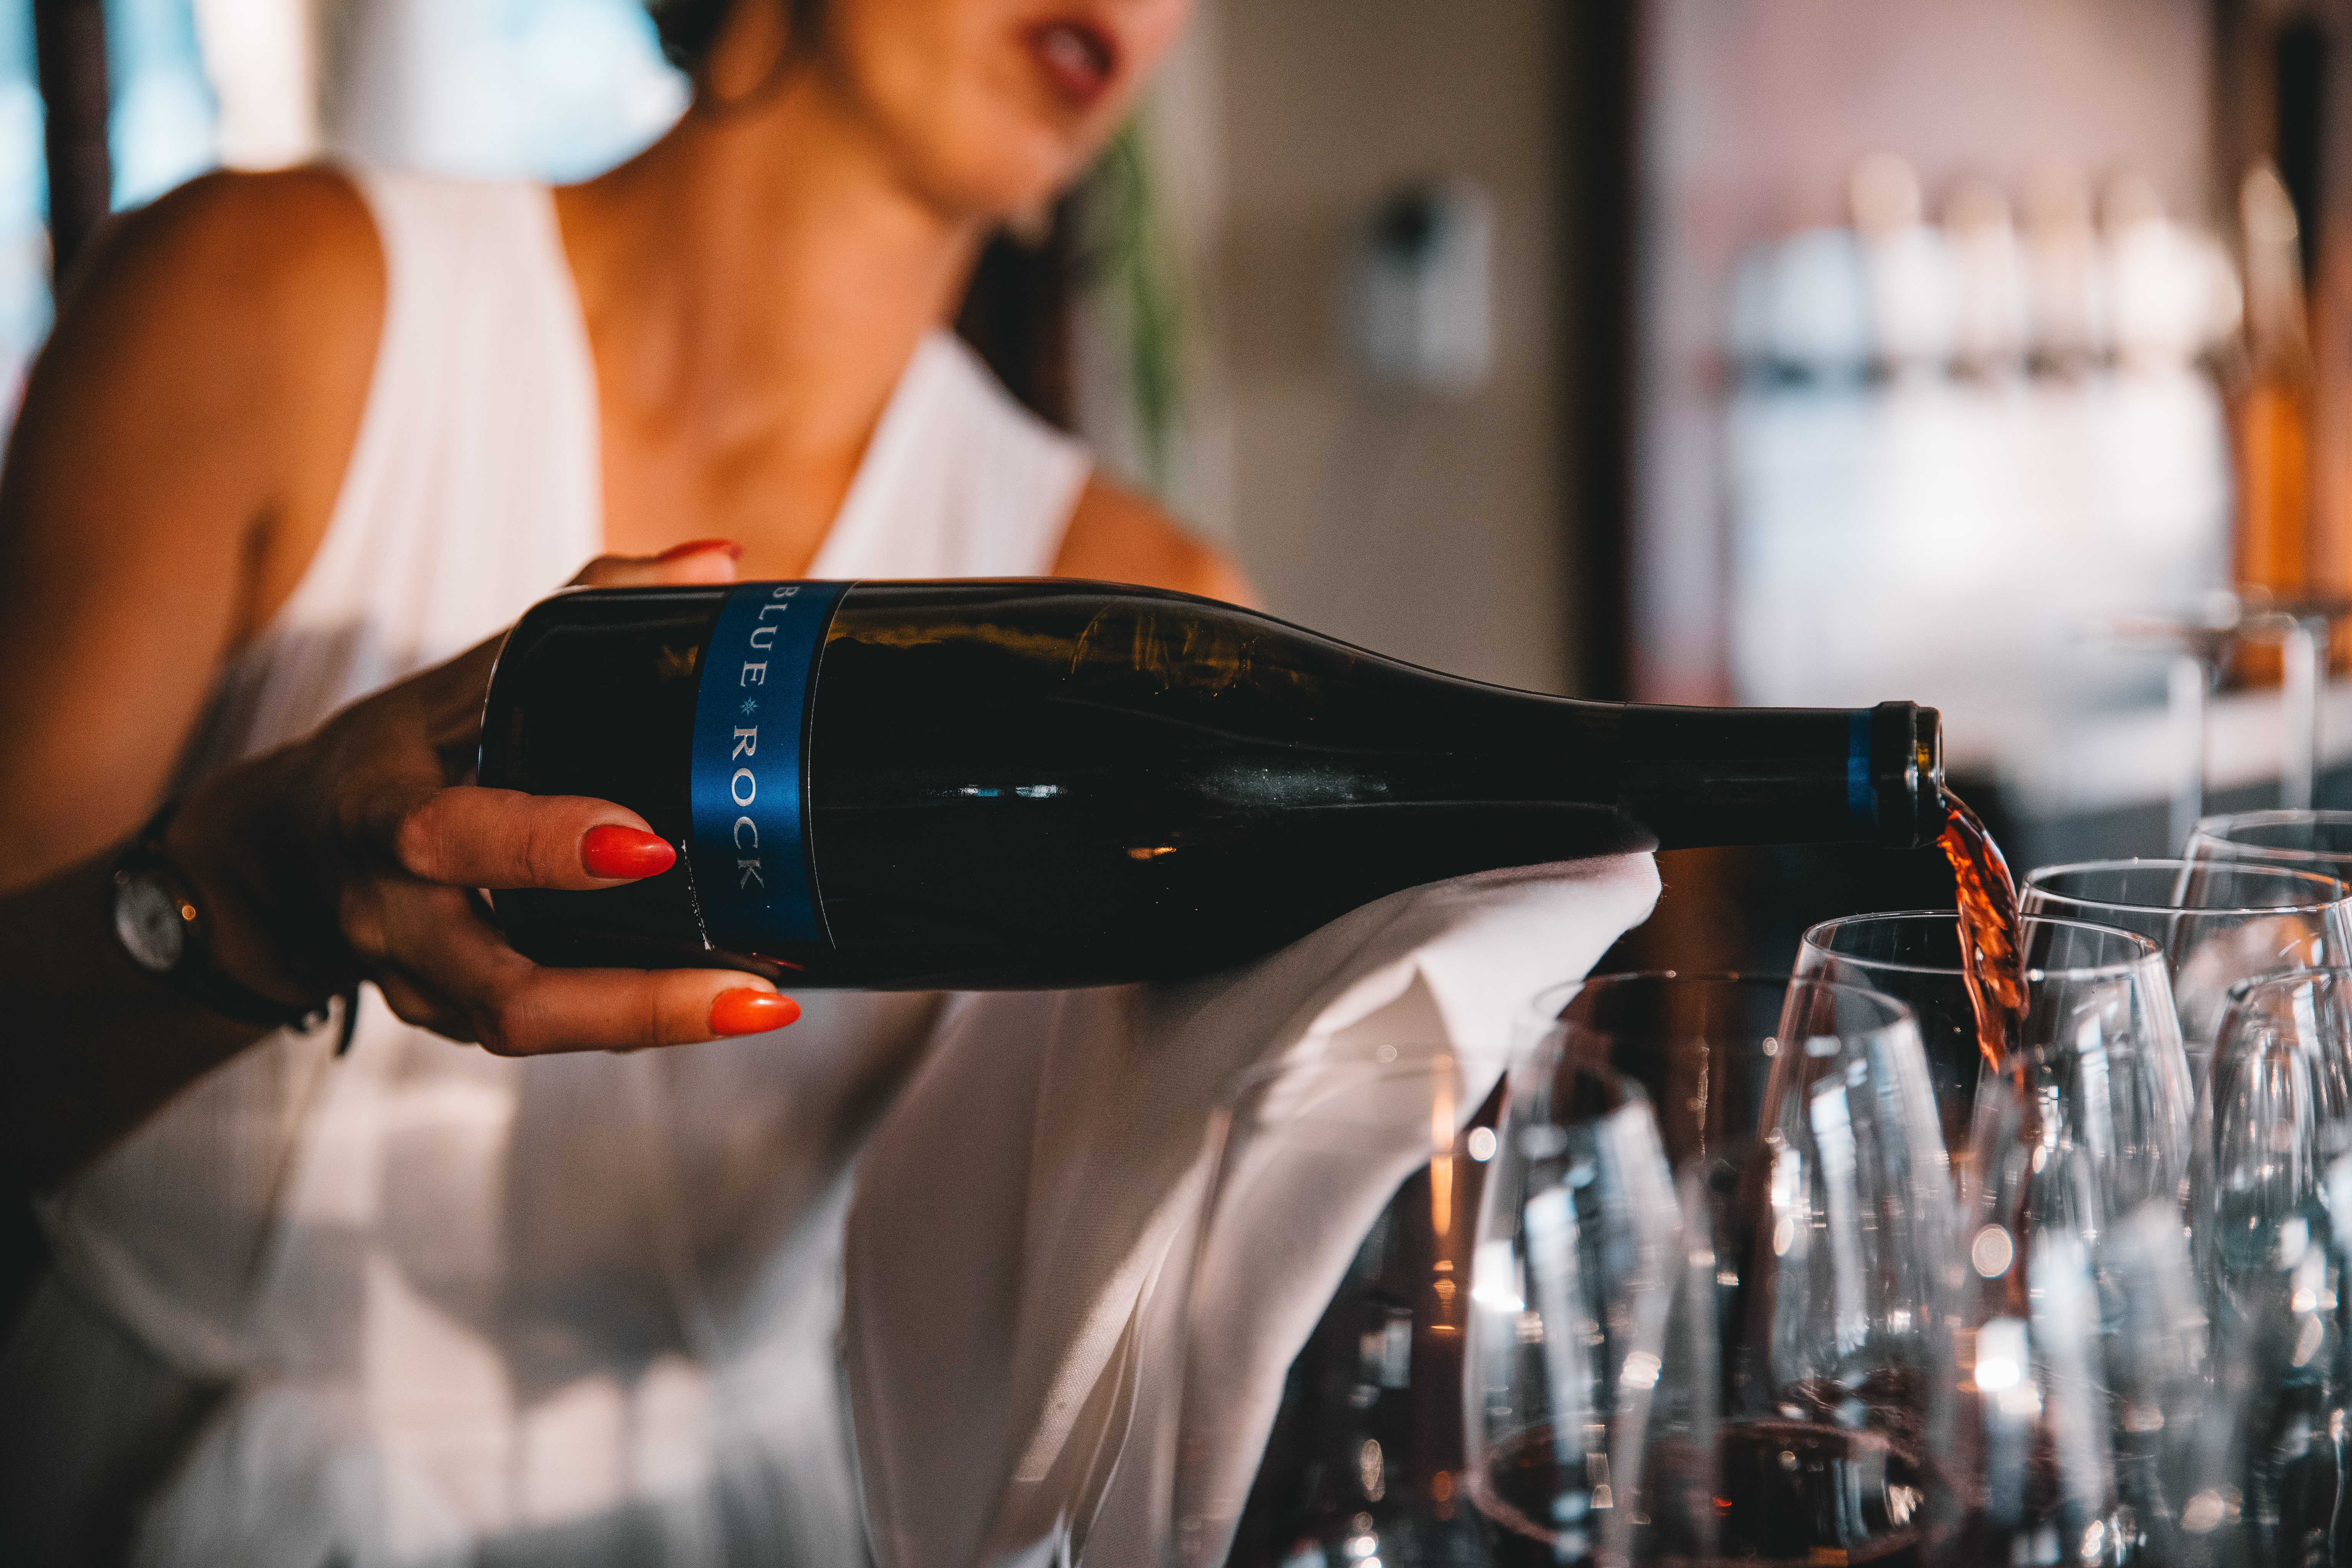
(196, 975)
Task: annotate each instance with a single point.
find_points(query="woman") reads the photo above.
(299, 435)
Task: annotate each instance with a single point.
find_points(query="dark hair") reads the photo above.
(689, 29)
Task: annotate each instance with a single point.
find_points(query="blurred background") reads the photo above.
(1993, 353)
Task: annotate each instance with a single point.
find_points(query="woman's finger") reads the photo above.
(412, 1004)
(468, 836)
(698, 561)
(445, 968)
(451, 972)
(628, 1009)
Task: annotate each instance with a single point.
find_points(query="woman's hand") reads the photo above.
(344, 856)
(352, 855)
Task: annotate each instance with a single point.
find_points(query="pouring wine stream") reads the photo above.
(1994, 966)
(1990, 959)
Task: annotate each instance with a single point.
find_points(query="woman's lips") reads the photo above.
(1077, 60)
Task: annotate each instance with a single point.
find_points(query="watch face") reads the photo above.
(147, 918)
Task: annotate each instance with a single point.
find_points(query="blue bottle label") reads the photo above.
(749, 779)
(1860, 795)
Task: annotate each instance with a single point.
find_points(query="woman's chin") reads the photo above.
(1020, 171)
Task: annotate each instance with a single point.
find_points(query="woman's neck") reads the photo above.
(754, 285)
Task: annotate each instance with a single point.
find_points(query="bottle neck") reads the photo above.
(1702, 777)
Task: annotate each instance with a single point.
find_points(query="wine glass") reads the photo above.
(2316, 841)
(1701, 1046)
(2216, 922)
(1577, 1247)
(2083, 1333)
(1841, 1376)
(2276, 1112)
(1320, 1411)
(1914, 956)
(2272, 1128)
(1800, 1114)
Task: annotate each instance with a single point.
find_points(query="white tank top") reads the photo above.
(584, 1304)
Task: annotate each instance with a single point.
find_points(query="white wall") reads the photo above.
(1430, 528)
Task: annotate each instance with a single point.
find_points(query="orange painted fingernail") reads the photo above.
(697, 546)
(624, 854)
(744, 1011)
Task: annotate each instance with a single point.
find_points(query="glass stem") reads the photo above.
(2300, 658)
(2185, 688)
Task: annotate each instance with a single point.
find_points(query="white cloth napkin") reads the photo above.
(1011, 1323)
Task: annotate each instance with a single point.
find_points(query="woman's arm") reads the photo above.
(181, 446)
(347, 855)
(181, 441)
(91, 1043)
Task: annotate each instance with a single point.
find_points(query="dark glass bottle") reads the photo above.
(1043, 783)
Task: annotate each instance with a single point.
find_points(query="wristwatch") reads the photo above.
(161, 928)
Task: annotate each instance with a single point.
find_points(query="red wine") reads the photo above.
(1042, 783)
(1991, 961)
(1780, 1494)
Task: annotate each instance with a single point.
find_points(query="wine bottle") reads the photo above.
(1001, 784)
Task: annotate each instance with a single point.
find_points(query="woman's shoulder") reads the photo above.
(287, 237)
(1120, 535)
(265, 287)
(223, 335)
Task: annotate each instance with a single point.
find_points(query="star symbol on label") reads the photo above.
(751, 705)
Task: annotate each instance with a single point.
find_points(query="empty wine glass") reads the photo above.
(1576, 1261)
(1699, 1045)
(2084, 1339)
(2272, 1127)
(2314, 841)
(1790, 1416)
(1914, 956)
(2216, 922)
(1841, 1376)
(2276, 1112)
(1320, 1413)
